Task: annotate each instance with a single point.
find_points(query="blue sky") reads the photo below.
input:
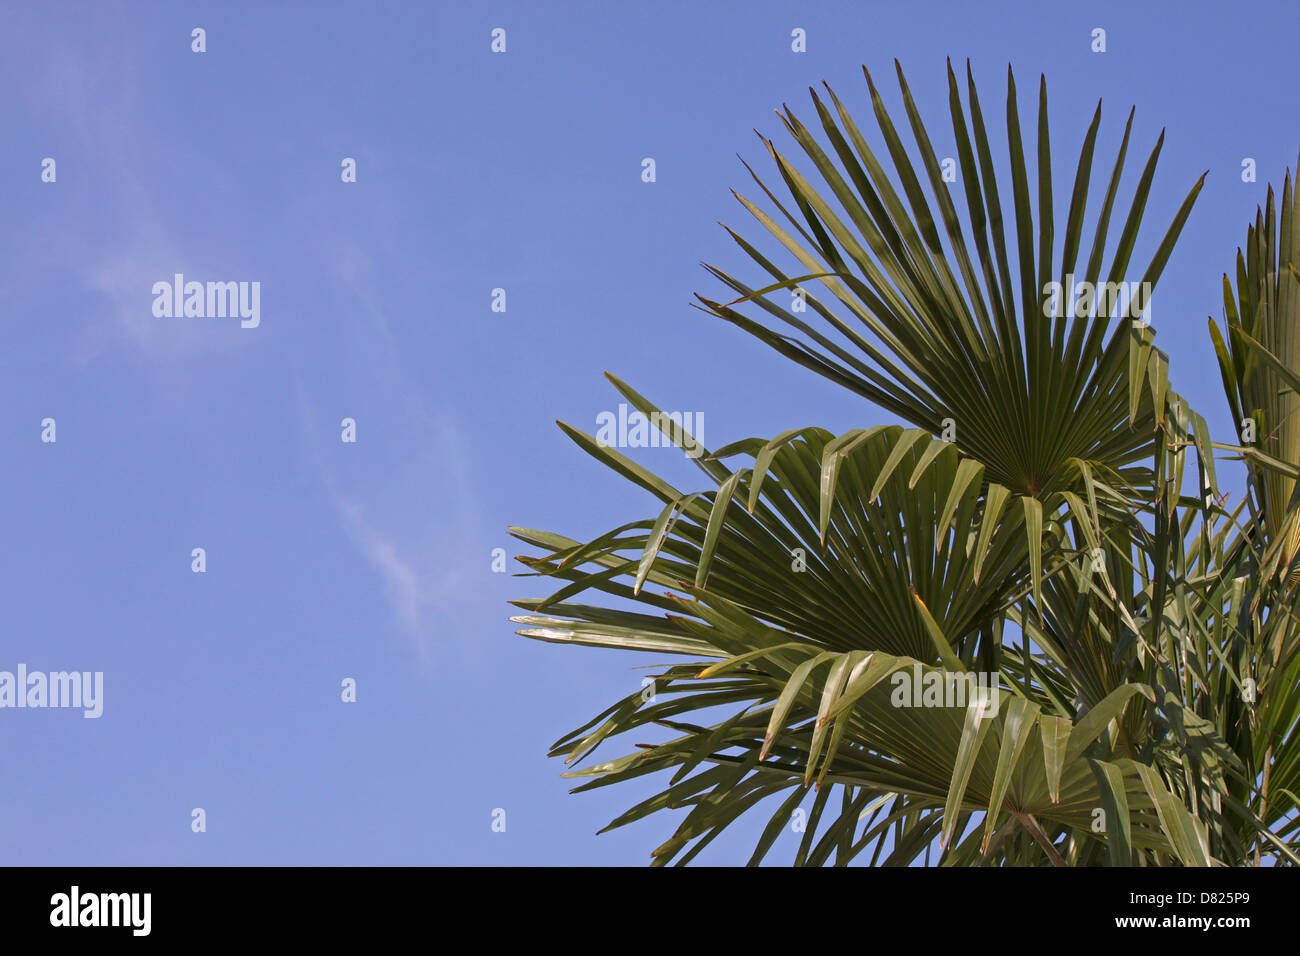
(372, 560)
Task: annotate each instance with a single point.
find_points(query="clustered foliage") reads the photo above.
(1147, 686)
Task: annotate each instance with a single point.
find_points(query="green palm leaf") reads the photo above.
(1140, 710)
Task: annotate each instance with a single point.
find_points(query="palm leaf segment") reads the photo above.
(1258, 360)
(799, 587)
(1030, 395)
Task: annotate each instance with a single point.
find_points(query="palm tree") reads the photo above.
(840, 603)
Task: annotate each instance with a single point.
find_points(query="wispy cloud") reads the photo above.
(414, 518)
(119, 165)
(417, 533)
(409, 589)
